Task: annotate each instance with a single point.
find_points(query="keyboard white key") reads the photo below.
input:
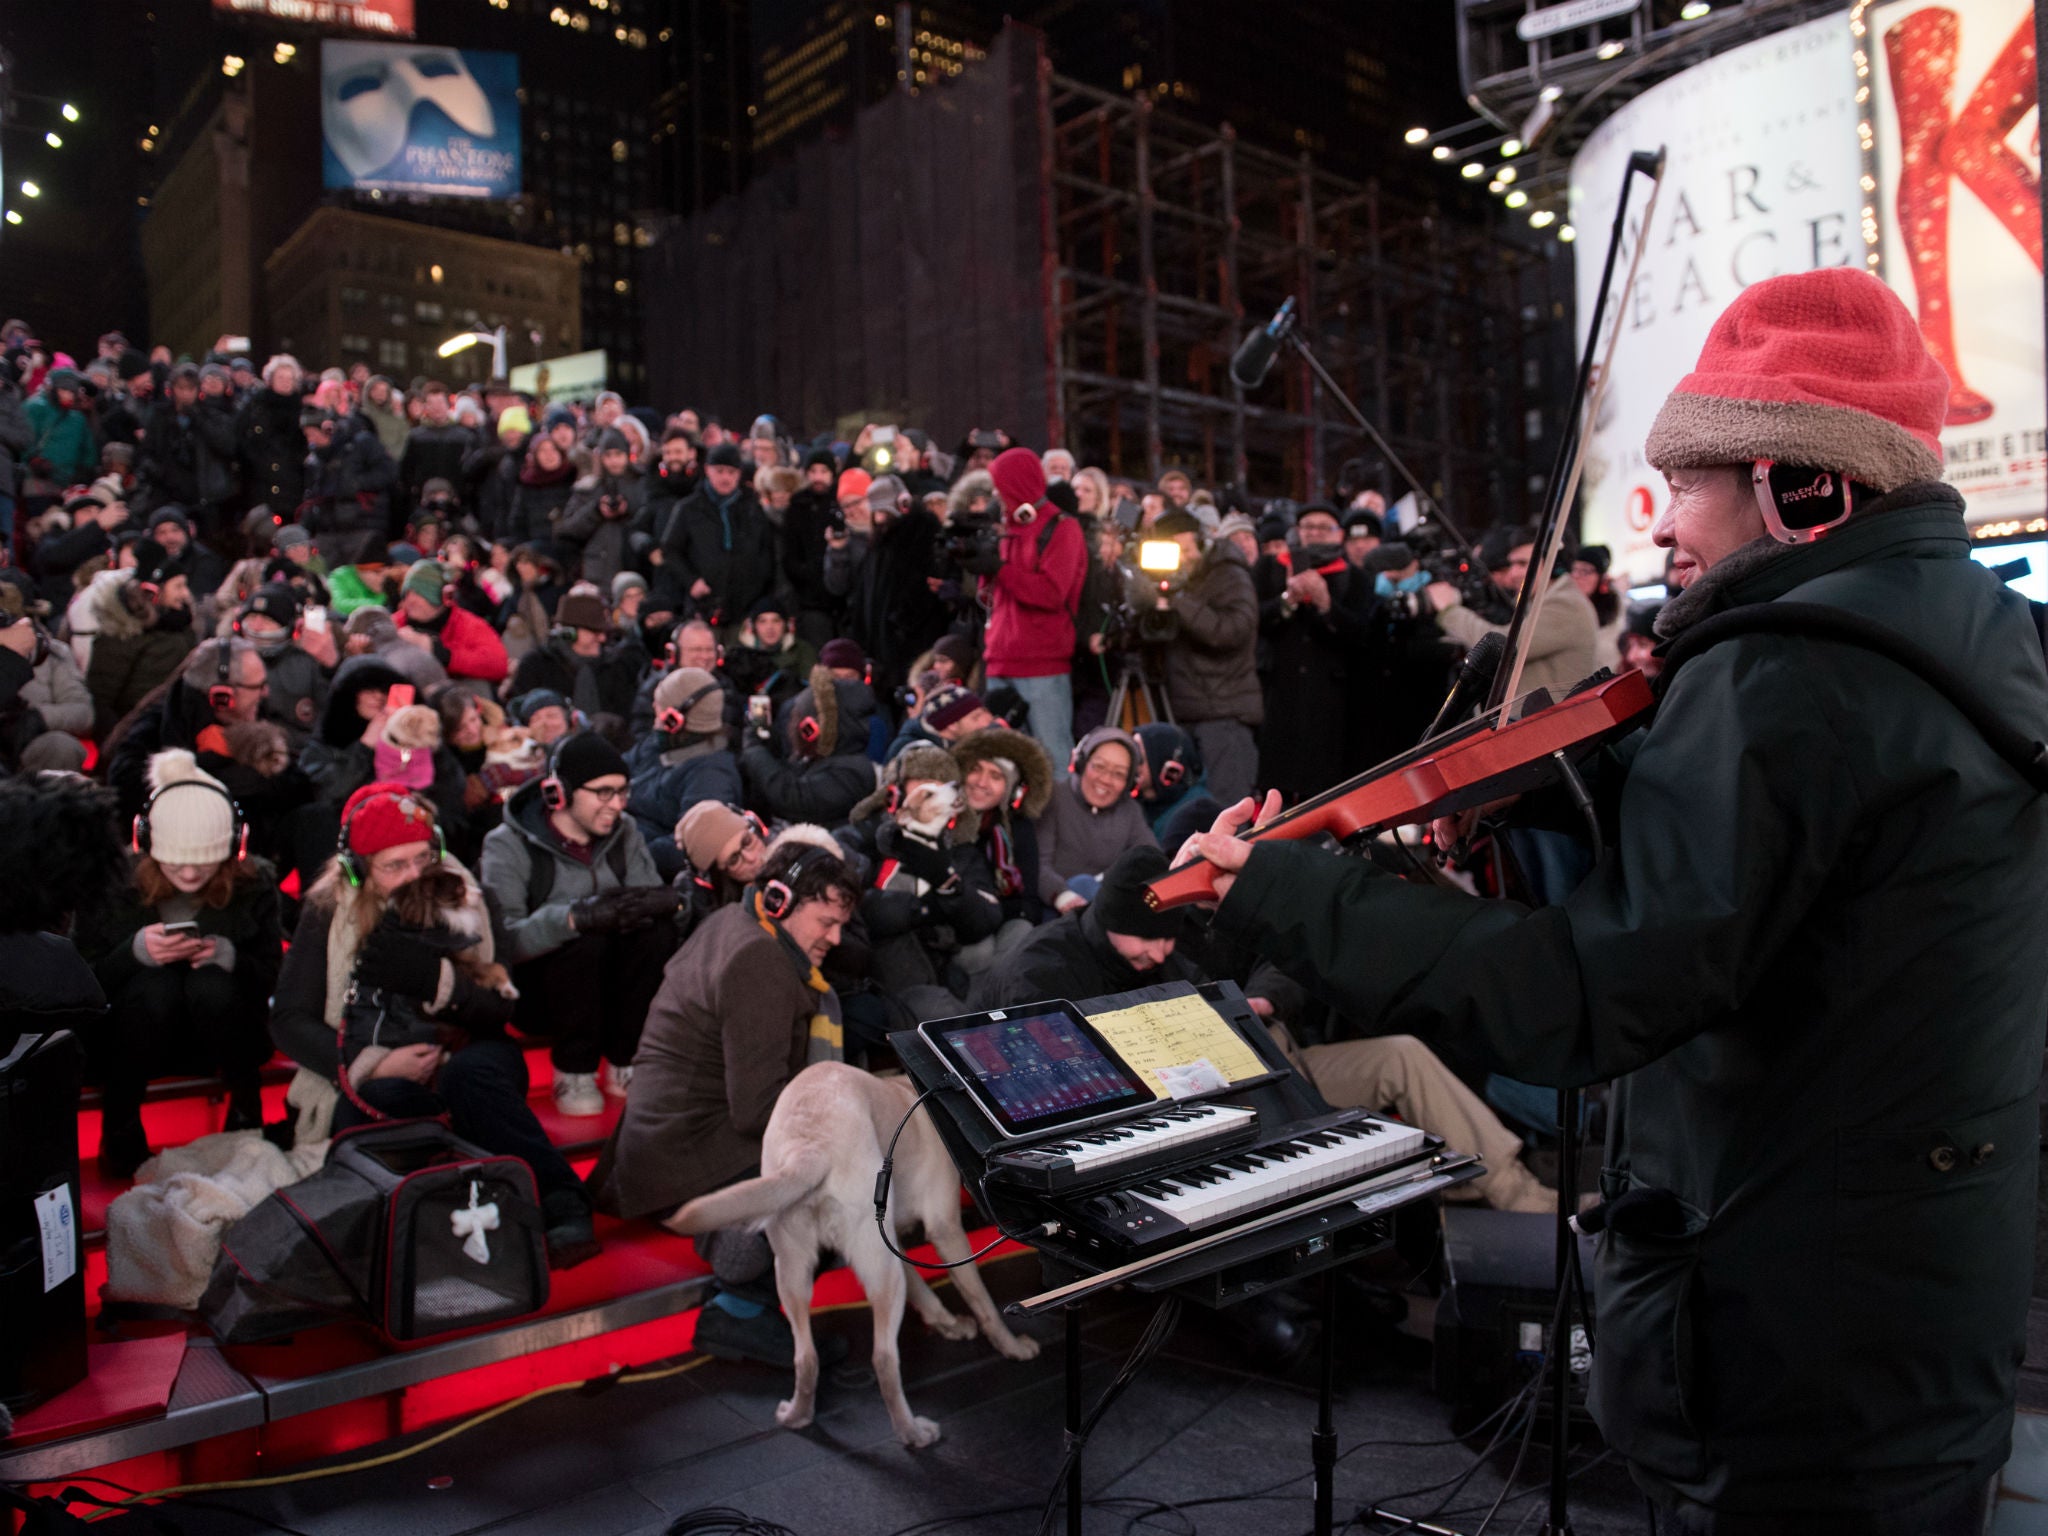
(1170, 1126)
(1255, 1179)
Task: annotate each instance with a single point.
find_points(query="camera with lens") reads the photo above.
(974, 542)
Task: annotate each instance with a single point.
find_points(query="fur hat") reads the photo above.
(1824, 370)
(582, 610)
(190, 818)
(916, 762)
(1027, 759)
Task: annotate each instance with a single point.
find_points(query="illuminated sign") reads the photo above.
(389, 18)
(405, 117)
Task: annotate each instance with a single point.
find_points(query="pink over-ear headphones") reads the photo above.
(778, 897)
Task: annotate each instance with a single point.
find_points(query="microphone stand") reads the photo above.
(1291, 334)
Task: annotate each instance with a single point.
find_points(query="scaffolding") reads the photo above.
(1165, 239)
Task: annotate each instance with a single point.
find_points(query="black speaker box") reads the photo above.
(1493, 1319)
(42, 1259)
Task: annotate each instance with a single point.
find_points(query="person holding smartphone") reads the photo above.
(187, 953)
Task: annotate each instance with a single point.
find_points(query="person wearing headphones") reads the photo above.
(214, 709)
(298, 660)
(684, 760)
(349, 948)
(1091, 818)
(589, 922)
(187, 952)
(742, 1010)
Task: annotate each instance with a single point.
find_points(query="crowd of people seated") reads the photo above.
(446, 722)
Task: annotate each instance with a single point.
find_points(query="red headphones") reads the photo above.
(552, 795)
(778, 897)
(221, 694)
(671, 721)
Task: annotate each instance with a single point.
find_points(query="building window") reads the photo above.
(390, 353)
(357, 345)
(426, 310)
(355, 298)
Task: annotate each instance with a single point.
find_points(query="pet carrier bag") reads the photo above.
(407, 1226)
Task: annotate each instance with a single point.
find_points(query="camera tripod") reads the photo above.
(1136, 700)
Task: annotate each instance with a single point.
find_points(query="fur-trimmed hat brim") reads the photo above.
(1034, 764)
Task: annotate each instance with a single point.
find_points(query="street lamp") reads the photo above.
(468, 339)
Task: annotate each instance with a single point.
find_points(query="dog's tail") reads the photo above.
(751, 1202)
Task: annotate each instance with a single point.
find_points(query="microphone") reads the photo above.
(1255, 355)
(1475, 680)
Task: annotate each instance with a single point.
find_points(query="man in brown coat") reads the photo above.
(742, 1009)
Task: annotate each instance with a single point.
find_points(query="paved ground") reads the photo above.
(1201, 1424)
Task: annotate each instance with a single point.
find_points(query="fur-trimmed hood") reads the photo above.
(842, 710)
(1034, 766)
(107, 598)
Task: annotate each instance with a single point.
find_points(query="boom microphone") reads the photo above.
(1255, 354)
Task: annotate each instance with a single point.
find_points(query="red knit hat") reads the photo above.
(1019, 478)
(1825, 370)
(852, 482)
(380, 816)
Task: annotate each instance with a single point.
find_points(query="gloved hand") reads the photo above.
(398, 962)
(926, 861)
(598, 913)
(644, 904)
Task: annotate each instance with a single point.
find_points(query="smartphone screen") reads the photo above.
(185, 930)
(316, 620)
(400, 697)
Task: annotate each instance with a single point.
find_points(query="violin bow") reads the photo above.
(1587, 392)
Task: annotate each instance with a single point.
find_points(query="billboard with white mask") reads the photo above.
(409, 118)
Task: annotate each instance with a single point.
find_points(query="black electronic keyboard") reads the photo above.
(1132, 1149)
(1149, 1215)
(1218, 1198)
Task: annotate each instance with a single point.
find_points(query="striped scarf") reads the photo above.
(827, 1032)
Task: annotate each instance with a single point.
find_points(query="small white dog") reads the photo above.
(819, 1157)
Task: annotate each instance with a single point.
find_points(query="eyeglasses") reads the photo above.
(608, 796)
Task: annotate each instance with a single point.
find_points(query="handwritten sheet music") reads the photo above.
(1173, 1031)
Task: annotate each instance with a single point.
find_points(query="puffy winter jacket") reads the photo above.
(1811, 957)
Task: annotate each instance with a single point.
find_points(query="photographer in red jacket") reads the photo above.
(1033, 597)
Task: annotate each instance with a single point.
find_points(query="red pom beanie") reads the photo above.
(1019, 478)
(1825, 370)
(380, 816)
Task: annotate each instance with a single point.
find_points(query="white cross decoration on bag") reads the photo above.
(471, 1224)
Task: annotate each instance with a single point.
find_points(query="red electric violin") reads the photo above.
(1517, 742)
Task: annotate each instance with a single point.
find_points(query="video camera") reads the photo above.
(974, 542)
(1442, 558)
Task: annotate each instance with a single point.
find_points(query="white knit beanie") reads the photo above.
(191, 819)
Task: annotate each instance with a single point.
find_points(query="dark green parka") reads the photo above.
(1813, 960)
